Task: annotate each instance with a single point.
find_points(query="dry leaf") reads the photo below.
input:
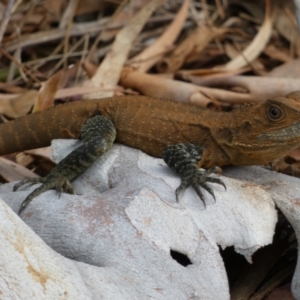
(54, 7)
(285, 21)
(108, 73)
(8, 88)
(75, 92)
(47, 92)
(154, 53)
(89, 68)
(45, 152)
(49, 88)
(125, 11)
(290, 69)
(24, 159)
(255, 65)
(277, 54)
(186, 75)
(256, 46)
(18, 106)
(90, 6)
(254, 88)
(11, 171)
(191, 46)
(159, 87)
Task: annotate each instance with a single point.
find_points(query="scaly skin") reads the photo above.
(251, 135)
(94, 145)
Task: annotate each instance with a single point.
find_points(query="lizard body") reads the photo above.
(142, 122)
(251, 135)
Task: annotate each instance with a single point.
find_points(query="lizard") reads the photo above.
(193, 141)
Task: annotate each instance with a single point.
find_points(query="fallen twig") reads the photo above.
(5, 17)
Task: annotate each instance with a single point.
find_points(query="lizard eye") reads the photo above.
(275, 113)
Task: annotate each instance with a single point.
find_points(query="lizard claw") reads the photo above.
(198, 178)
(29, 181)
(52, 181)
(184, 159)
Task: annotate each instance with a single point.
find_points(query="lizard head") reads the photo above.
(281, 122)
(266, 131)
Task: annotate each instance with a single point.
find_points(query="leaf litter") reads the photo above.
(216, 54)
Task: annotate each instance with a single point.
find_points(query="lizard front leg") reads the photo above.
(184, 160)
(98, 135)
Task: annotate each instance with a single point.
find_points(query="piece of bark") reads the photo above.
(127, 221)
(285, 193)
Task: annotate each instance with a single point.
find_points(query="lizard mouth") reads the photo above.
(284, 134)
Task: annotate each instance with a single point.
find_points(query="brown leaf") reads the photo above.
(89, 68)
(154, 53)
(47, 92)
(257, 45)
(108, 74)
(164, 88)
(186, 75)
(24, 159)
(285, 21)
(54, 7)
(90, 6)
(49, 88)
(233, 53)
(45, 152)
(11, 171)
(191, 46)
(290, 69)
(125, 11)
(255, 88)
(18, 106)
(276, 53)
(13, 89)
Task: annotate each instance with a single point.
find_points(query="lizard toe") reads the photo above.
(199, 192)
(216, 180)
(206, 187)
(29, 181)
(184, 184)
(44, 187)
(198, 179)
(54, 181)
(68, 188)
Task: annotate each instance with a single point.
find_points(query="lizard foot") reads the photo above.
(198, 178)
(52, 181)
(98, 135)
(184, 159)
